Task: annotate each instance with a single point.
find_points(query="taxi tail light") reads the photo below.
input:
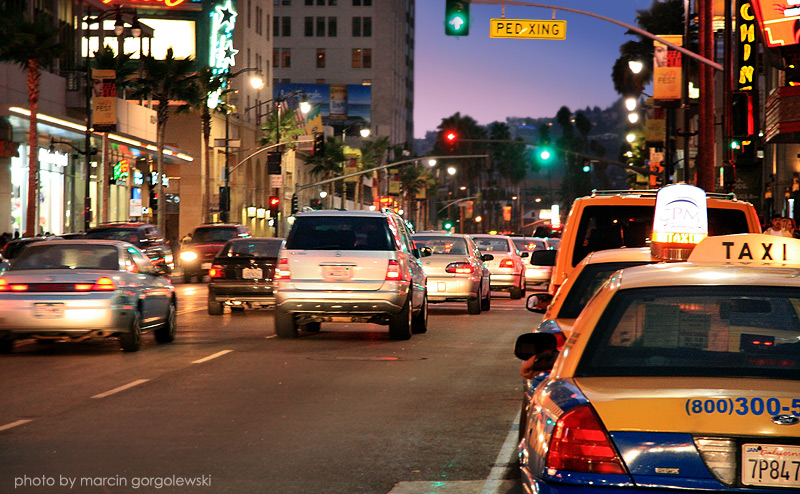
(506, 263)
(719, 455)
(216, 271)
(580, 443)
(459, 267)
(393, 271)
(282, 270)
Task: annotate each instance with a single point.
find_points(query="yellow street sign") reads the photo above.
(527, 29)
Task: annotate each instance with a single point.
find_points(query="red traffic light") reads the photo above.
(274, 201)
(451, 137)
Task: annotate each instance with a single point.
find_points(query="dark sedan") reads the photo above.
(241, 274)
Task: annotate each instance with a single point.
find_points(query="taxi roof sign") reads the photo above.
(748, 249)
(680, 221)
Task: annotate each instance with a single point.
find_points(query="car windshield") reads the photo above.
(252, 248)
(443, 245)
(589, 281)
(340, 233)
(125, 234)
(527, 244)
(492, 244)
(45, 255)
(694, 331)
(215, 234)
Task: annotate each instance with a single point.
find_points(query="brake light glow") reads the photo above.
(506, 263)
(5, 287)
(459, 268)
(282, 272)
(216, 271)
(580, 444)
(393, 272)
(104, 284)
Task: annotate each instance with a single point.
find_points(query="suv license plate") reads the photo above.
(252, 273)
(48, 310)
(337, 273)
(775, 465)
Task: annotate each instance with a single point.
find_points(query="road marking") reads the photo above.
(14, 424)
(121, 388)
(504, 457)
(210, 357)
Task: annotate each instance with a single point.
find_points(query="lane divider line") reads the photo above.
(504, 458)
(14, 424)
(211, 357)
(121, 388)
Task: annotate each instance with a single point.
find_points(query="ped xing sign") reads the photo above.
(527, 29)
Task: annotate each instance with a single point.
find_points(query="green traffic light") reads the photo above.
(456, 18)
(587, 168)
(545, 155)
(735, 144)
(447, 225)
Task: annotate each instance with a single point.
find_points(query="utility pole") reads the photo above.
(706, 141)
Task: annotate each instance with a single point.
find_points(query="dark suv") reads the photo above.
(148, 238)
(206, 241)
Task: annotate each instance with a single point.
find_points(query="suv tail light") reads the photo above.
(580, 444)
(393, 272)
(459, 267)
(282, 270)
(216, 271)
(506, 263)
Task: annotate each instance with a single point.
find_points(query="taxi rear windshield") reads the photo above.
(612, 227)
(698, 332)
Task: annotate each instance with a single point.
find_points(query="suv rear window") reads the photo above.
(340, 233)
(125, 234)
(612, 227)
(214, 234)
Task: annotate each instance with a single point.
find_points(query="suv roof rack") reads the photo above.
(654, 192)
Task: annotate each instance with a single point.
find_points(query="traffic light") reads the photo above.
(742, 114)
(319, 143)
(295, 206)
(587, 167)
(451, 139)
(456, 17)
(447, 225)
(154, 201)
(274, 204)
(274, 163)
(545, 154)
(223, 198)
(316, 203)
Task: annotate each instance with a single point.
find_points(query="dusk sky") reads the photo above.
(490, 79)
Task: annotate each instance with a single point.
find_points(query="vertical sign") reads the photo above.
(746, 39)
(667, 68)
(104, 100)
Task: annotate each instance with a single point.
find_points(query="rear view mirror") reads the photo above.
(543, 257)
(530, 344)
(538, 302)
(487, 257)
(524, 254)
(425, 251)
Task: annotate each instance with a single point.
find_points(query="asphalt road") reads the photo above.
(230, 408)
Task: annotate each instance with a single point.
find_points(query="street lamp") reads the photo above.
(257, 82)
(365, 132)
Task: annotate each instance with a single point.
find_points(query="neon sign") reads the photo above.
(222, 53)
(167, 3)
(746, 36)
(778, 20)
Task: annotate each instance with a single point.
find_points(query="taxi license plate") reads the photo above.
(337, 273)
(205, 265)
(252, 273)
(771, 465)
(48, 310)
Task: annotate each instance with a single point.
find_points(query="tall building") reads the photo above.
(355, 58)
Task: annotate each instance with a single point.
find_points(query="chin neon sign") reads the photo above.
(222, 53)
(165, 3)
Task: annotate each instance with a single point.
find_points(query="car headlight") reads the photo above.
(188, 255)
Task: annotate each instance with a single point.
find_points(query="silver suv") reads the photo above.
(354, 266)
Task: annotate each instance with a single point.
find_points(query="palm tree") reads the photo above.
(33, 45)
(171, 79)
(412, 180)
(329, 163)
(373, 154)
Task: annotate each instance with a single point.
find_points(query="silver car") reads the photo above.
(456, 270)
(80, 289)
(507, 267)
(355, 266)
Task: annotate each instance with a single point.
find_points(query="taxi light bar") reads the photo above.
(580, 444)
(393, 272)
(506, 263)
(459, 268)
(678, 238)
(216, 271)
(282, 271)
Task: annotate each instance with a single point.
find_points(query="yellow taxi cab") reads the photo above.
(677, 376)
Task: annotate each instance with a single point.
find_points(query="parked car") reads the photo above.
(198, 252)
(357, 266)
(241, 274)
(506, 266)
(79, 289)
(146, 237)
(456, 270)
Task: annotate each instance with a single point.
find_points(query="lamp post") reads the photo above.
(365, 132)
(225, 200)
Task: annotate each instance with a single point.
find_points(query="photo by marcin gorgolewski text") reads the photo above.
(68, 482)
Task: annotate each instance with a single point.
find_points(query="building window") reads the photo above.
(286, 58)
(366, 58)
(356, 58)
(356, 27)
(320, 81)
(276, 56)
(249, 12)
(331, 2)
(266, 31)
(366, 82)
(367, 27)
(321, 3)
(276, 26)
(258, 20)
(309, 2)
(320, 58)
(332, 27)
(286, 26)
(356, 3)
(320, 26)
(309, 26)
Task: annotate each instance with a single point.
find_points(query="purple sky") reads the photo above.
(490, 79)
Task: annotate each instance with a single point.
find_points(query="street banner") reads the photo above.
(104, 100)
(667, 80)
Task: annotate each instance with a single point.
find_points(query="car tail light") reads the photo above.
(393, 272)
(459, 267)
(216, 271)
(5, 286)
(580, 444)
(102, 284)
(506, 263)
(282, 271)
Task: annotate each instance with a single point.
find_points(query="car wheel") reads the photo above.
(312, 327)
(474, 306)
(285, 324)
(166, 332)
(132, 340)
(486, 303)
(400, 323)
(215, 308)
(419, 323)
(516, 293)
(6, 345)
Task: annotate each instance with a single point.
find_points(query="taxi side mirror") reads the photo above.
(538, 302)
(531, 344)
(543, 258)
